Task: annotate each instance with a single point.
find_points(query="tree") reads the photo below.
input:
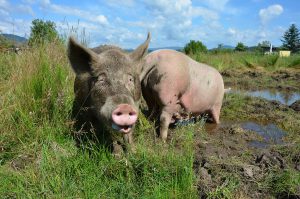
(220, 46)
(263, 46)
(194, 47)
(42, 32)
(240, 47)
(291, 39)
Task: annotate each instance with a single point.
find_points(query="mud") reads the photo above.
(285, 79)
(230, 155)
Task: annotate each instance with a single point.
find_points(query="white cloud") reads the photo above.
(206, 14)
(18, 26)
(70, 11)
(216, 4)
(173, 20)
(269, 13)
(101, 19)
(9, 24)
(231, 31)
(6, 7)
(118, 3)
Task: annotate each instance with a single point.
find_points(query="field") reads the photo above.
(39, 157)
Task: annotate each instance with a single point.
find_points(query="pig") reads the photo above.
(107, 91)
(173, 83)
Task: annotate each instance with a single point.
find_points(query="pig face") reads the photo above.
(112, 83)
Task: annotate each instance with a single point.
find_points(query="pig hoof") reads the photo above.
(117, 150)
(117, 156)
(132, 149)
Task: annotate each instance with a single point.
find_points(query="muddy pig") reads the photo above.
(172, 82)
(107, 91)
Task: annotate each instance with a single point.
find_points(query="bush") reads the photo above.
(194, 47)
(42, 32)
(240, 47)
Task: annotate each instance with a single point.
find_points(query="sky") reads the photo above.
(171, 22)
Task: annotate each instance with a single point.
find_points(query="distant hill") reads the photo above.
(172, 48)
(228, 47)
(153, 49)
(15, 38)
(224, 47)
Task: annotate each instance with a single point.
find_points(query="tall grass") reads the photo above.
(38, 156)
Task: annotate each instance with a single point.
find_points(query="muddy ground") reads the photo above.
(228, 165)
(284, 79)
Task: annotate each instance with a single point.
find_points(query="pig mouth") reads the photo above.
(122, 128)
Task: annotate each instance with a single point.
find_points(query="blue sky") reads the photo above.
(172, 22)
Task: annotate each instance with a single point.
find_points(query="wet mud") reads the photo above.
(285, 79)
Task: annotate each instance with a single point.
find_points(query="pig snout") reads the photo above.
(124, 117)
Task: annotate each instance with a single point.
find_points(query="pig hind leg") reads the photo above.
(215, 113)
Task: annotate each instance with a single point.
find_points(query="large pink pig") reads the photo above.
(172, 82)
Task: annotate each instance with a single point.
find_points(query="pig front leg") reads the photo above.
(128, 139)
(165, 120)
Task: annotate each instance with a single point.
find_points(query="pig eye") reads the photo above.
(102, 78)
(130, 78)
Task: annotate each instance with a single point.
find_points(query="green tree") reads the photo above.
(42, 32)
(220, 46)
(291, 39)
(263, 46)
(194, 47)
(240, 47)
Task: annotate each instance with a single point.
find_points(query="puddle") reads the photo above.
(270, 133)
(286, 98)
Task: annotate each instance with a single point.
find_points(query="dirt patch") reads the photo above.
(226, 162)
(287, 79)
(21, 161)
(225, 157)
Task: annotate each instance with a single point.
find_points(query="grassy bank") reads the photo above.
(250, 60)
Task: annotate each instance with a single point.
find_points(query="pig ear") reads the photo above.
(81, 58)
(142, 50)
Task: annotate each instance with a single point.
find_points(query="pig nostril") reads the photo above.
(132, 113)
(119, 113)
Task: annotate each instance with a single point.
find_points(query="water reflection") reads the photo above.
(286, 98)
(270, 133)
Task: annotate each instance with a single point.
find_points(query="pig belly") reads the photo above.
(195, 103)
(200, 97)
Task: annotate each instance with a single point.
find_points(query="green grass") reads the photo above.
(252, 60)
(38, 156)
